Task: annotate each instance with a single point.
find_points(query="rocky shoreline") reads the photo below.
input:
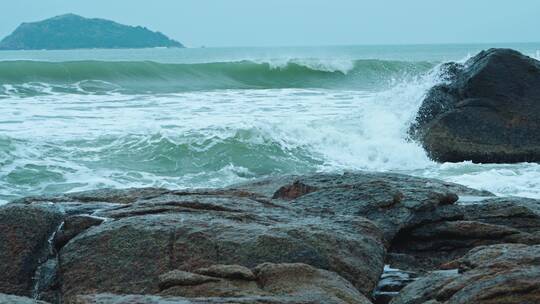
(352, 238)
(358, 237)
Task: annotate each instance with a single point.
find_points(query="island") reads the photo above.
(71, 31)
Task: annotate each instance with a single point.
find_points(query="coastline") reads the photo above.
(166, 240)
(267, 229)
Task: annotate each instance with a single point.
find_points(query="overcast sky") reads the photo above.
(303, 22)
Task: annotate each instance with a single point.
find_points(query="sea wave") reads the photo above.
(79, 141)
(195, 159)
(30, 78)
(72, 142)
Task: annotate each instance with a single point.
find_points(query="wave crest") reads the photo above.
(91, 77)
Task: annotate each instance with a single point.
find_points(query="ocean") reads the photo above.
(210, 117)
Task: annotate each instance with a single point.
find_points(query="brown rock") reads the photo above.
(306, 281)
(504, 273)
(24, 244)
(74, 225)
(293, 191)
(492, 221)
(340, 227)
(189, 231)
(224, 288)
(149, 299)
(183, 278)
(276, 283)
(235, 272)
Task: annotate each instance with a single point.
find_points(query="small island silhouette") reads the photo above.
(71, 31)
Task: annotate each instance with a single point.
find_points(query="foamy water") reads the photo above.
(88, 134)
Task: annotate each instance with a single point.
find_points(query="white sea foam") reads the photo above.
(326, 65)
(502, 179)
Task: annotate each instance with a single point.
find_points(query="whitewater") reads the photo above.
(80, 120)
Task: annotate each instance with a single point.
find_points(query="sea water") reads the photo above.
(180, 118)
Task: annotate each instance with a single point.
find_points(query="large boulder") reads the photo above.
(394, 202)
(504, 273)
(188, 231)
(426, 222)
(25, 244)
(487, 111)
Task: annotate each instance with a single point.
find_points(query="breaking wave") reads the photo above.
(29, 78)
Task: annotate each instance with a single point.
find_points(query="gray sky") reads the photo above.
(303, 22)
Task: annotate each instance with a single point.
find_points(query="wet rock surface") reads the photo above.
(228, 272)
(488, 111)
(503, 273)
(393, 201)
(189, 232)
(322, 238)
(426, 246)
(24, 244)
(148, 299)
(392, 281)
(294, 282)
(73, 226)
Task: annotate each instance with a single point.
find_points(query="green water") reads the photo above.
(86, 119)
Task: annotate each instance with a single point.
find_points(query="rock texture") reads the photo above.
(459, 228)
(488, 111)
(274, 282)
(148, 299)
(235, 272)
(24, 245)
(394, 202)
(504, 273)
(188, 231)
(73, 226)
(321, 238)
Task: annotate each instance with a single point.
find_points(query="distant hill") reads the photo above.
(75, 32)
